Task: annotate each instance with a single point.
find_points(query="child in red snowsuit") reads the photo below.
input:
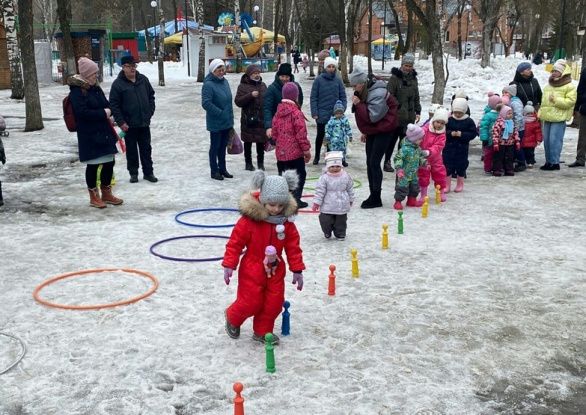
(266, 220)
(432, 145)
(533, 134)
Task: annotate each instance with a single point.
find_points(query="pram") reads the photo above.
(3, 132)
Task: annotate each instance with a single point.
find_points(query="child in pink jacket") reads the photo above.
(433, 143)
(292, 148)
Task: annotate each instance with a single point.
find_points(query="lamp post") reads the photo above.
(154, 6)
(256, 8)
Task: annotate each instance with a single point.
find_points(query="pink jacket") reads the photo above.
(497, 134)
(289, 132)
(435, 143)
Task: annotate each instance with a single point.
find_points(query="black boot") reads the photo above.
(373, 201)
(260, 160)
(1, 199)
(249, 166)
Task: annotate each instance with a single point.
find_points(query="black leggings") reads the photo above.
(319, 139)
(91, 174)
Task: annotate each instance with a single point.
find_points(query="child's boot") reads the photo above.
(459, 184)
(413, 202)
(448, 185)
(108, 197)
(398, 205)
(443, 195)
(423, 194)
(233, 331)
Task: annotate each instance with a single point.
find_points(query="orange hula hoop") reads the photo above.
(95, 306)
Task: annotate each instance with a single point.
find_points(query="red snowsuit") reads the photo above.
(435, 143)
(258, 295)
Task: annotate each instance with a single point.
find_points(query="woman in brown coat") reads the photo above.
(249, 97)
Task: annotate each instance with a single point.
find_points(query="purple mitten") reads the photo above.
(298, 279)
(227, 274)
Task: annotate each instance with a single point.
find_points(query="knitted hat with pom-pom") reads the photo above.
(414, 133)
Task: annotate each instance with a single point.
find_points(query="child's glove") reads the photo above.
(227, 275)
(425, 153)
(518, 146)
(315, 207)
(400, 173)
(495, 147)
(298, 279)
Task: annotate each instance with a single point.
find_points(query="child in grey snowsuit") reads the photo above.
(338, 131)
(334, 195)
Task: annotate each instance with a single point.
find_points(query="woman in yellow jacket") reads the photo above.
(557, 105)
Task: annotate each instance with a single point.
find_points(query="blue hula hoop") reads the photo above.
(197, 225)
(170, 258)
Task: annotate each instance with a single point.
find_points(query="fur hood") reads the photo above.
(77, 80)
(399, 74)
(250, 206)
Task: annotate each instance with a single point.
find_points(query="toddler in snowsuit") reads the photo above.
(511, 99)
(432, 146)
(334, 195)
(533, 135)
(505, 140)
(408, 160)
(267, 219)
(338, 131)
(460, 130)
(491, 113)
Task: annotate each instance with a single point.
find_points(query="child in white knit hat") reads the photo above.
(334, 195)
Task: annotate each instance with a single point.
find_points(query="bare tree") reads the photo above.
(48, 17)
(161, 45)
(199, 17)
(369, 51)
(489, 13)
(431, 20)
(16, 82)
(34, 116)
(353, 9)
(513, 15)
(64, 13)
(401, 43)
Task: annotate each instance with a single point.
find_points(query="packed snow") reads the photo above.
(477, 309)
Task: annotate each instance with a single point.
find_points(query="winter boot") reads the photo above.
(1, 199)
(373, 201)
(443, 196)
(448, 187)
(95, 200)
(259, 338)
(108, 197)
(398, 205)
(249, 166)
(388, 167)
(423, 194)
(459, 184)
(261, 165)
(413, 202)
(232, 331)
(260, 160)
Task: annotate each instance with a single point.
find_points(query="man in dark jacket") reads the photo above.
(273, 96)
(404, 87)
(580, 111)
(132, 100)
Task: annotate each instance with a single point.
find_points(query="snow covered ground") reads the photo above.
(478, 309)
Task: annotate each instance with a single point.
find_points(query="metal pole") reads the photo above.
(384, 34)
(187, 41)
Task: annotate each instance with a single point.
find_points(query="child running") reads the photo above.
(334, 195)
(432, 146)
(266, 221)
(407, 162)
(338, 131)
(460, 130)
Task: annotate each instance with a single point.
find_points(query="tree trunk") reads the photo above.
(161, 45)
(16, 82)
(64, 12)
(34, 116)
(409, 36)
(199, 17)
(401, 42)
(459, 37)
(175, 8)
(489, 14)
(369, 51)
(486, 45)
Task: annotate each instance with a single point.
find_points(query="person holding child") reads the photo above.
(292, 148)
(505, 139)
(267, 220)
(408, 160)
(434, 141)
(334, 195)
(460, 130)
(338, 131)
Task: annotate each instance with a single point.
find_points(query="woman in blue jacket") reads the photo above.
(325, 91)
(96, 138)
(216, 100)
